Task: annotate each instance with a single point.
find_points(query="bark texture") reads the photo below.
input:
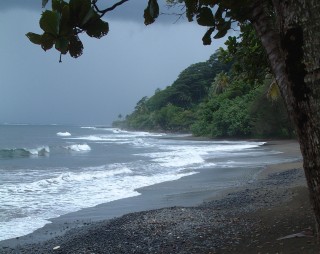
(291, 38)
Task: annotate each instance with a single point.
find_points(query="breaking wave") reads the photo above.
(79, 147)
(64, 134)
(24, 152)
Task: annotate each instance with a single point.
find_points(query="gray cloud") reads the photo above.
(20, 4)
(129, 11)
(108, 79)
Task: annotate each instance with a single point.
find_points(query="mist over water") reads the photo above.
(48, 171)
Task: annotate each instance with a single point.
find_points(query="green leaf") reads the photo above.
(79, 10)
(191, 9)
(222, 29)
(151, 12)
(97, 28)
(206, 39)
(65, 24)
(47, 41)
(62, 45)
(220, 34)
(35, 38)
(58, 5)
(75, 47)
(44, 3)
(218, 14)
(210, 3)
(49, 22)
(205, 17)
(85, 11)
(224, 25)
(90, 14)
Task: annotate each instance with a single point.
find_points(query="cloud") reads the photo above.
(108, 79)
(129, 11)
(20, 4)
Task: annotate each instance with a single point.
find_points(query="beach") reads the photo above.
(179, 217)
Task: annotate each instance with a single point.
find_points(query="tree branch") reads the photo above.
(111, 8)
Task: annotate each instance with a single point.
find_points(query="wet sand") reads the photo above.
(246, 219)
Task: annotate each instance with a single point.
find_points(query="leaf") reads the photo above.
(90, 14)
(151, 12)
(34, 38)
(65, 24)
(58, 5)
(210, 3)
(205, 17)
(224, 25)
(62, 45)
(75, 47)
(85, 9)
(222, 29)
(79, 10)
(47, 41)
(274, 91)
(192, 7)
(49, 22)
(220, 34)
(218, 14)
(206, 39)
(44, 3)
(97, 28)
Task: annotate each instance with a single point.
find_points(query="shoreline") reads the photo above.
(278, 183)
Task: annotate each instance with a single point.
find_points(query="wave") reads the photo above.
(92, 174)
(97, 128)
(93, 186)
(195, 153)
(92, 138)
(79, 147)
(139, 139)
(24, 152)
(88, 127)
(64, 134)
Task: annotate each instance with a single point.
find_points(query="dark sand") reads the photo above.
(246, 219)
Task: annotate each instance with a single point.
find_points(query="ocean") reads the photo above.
(51, 170)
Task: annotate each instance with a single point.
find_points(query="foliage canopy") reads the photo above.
(65, 20)
(223, 97)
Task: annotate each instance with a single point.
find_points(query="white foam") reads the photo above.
(115, 138)
(88, 127)
(180, 158)
(93, 138)
(79, 147)
(188, 153)
(64, 134)
(42, 150)
(71, 191)
(22, 226)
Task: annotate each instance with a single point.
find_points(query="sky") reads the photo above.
(111, 76)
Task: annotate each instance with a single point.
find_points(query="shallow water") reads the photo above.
(48, 171)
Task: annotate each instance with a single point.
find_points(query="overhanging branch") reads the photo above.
(111, 8)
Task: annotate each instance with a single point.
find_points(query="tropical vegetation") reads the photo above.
(229, 95)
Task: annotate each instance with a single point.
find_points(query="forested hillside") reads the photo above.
(232, 94)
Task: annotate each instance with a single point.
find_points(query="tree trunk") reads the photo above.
(292, 42)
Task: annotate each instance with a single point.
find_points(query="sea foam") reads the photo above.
(79, 148)
(24, 152)
(64, 134)
(92, 186)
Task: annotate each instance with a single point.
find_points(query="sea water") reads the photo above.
(48, 171)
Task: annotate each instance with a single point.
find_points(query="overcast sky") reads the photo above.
(113, 73)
